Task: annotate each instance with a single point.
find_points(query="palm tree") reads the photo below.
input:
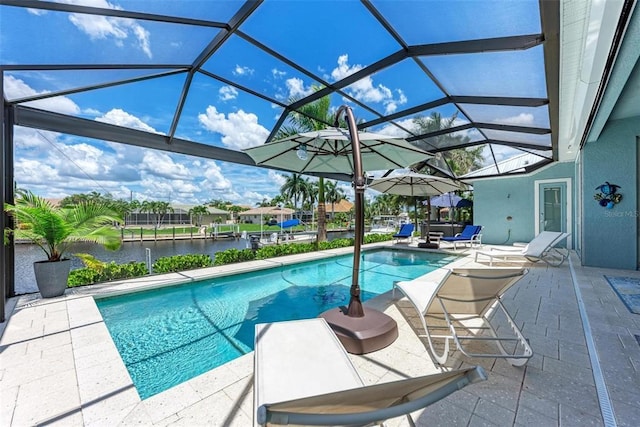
(159, 209)
(313, 192)
(53, 229)
(235, 210)
(460, 161)
(278, 199)
(303, 121)
(133, 206)
(198, 211)
(293, 188)
(333, 194)
(162, 208)
(264, 203)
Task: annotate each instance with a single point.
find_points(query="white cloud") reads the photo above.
(347, 189)
(29, 171)
(214, 178)
(242, 71)
(122, 118)
(392, 105)
(296, 88)
(81, 161)
(277, 178)
(162, 165)
(239, 130)
(522, 119)
(250, 198)
(227, 93)
(106, 27)
(364, 89)
(343, 70)
(392, 130)
(277, 74)
(33, 139)
(37, 12)
(16, 89)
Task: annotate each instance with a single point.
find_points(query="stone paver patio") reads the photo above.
(59, 366)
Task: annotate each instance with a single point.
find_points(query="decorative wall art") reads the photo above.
(608, 195)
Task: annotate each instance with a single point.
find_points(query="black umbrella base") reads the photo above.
(360, 335)
(428, 245)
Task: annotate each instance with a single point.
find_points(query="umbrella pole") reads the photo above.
(451, 215)
(355, 304)
(359, 334)
(428, 218)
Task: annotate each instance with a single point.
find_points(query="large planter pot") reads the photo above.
(52, 277)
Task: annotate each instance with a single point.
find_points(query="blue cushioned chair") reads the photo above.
(470, 234)
(406, 231)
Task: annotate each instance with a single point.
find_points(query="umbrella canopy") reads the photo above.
(330, 150)
(449, 200)
(414, 184)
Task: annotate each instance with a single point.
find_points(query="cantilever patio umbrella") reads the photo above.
(337, 150)
(330, 150)
(415, 185)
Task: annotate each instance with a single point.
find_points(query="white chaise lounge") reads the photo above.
(304, 376)
(541, 248)
(463, 308)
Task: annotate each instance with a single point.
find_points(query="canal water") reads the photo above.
(26, 255)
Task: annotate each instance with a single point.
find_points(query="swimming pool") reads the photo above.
(169, 335)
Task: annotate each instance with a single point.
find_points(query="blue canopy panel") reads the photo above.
(289, 223)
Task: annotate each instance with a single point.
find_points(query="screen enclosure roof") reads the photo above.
(475, 83)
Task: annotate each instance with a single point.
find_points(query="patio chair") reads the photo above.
(406, 231)
(471, 234)
(543, 247)
(304, 376)
(463, 308)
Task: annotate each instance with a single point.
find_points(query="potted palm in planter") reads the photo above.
(54, 229)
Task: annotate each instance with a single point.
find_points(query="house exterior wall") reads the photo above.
(497, 199)
(610, 236)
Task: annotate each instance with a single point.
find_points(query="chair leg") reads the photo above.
(437, 359)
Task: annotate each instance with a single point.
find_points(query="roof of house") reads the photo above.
(211, 210)
(267, 210)
(342, 206)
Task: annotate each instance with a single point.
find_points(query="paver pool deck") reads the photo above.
(59, 366)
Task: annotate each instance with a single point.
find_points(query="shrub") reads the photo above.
(375, 238)
(181, 262)
(104, 272)
(97, 271)
(231, 256)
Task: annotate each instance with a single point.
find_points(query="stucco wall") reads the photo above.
(498, 198)
(610, 236)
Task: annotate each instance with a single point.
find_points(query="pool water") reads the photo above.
(169, 335)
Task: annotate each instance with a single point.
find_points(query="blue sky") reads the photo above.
(332, 45)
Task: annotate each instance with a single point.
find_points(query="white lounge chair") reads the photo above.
(462, 308)
(541, 248)
(304, 376)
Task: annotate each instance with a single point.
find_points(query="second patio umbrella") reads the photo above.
(415, 185)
